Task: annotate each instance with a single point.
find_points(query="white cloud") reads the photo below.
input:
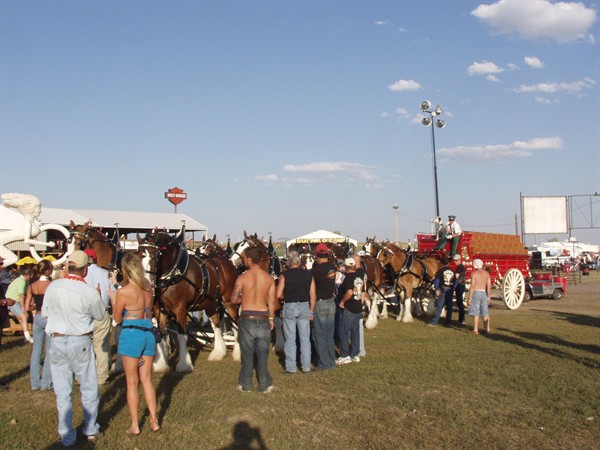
(270, 177)
(574, 87)
(544, 100)
(331, 169)
(384, 115)
(381, 22)
(402, 30)
(402, 112)
(484, 68)
(404, 85)
(533, 62)
(541, 19)
(512, 66)
(499, 152)
(493, 78)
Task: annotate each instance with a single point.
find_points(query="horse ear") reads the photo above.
(214, 237)
(245, 234)
(71, 225)
(139, 238)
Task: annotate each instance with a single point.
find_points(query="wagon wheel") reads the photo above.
(65, 233)
(513, 288)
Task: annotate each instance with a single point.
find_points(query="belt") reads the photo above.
(67, 335)
(255, 317)
(295, 301)
(319, 299)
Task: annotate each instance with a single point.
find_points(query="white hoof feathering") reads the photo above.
(219, 348)
(161, 362)
(407, 318)
(185, 360)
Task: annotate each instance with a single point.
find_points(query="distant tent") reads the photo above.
(316, 237)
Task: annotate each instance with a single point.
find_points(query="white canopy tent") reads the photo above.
(316, 237)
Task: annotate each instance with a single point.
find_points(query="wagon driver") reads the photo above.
(452, 234)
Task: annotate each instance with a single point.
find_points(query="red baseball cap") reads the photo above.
(322, 249)
(91, 253)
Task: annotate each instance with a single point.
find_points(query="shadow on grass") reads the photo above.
(6, 379)
(244, 436)
(528, 341)
(575, 319)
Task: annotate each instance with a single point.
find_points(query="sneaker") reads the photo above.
(356, 359)
(29, 340)
(95, 437)
(241, 388)
(268, 390)
(343, 360)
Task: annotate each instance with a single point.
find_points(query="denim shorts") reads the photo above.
(136, 343)
(16, 309)
(479, 304)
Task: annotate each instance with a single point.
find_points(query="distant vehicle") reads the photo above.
(545, 285)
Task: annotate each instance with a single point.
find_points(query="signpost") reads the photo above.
(175, 196)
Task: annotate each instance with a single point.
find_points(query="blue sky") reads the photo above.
(288, 117)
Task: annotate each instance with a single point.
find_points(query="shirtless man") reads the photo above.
(255, 291)
(479, 296)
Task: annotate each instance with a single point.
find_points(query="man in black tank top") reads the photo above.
(296, 287)
(324, 272)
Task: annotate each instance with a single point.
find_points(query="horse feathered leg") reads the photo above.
(219, 349)
(408, 317)
(185, 360)
(237, 353)
(161, 359)
(371, 321)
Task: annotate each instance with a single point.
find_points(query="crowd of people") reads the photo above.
(74, 312)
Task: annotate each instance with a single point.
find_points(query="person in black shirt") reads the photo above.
(444, 283)
(460, 273)
(350, 300)
(296, 287)
(324, 314)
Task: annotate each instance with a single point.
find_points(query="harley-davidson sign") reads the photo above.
(175, 195)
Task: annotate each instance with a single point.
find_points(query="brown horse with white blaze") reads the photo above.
(85, 236)
(184, 283)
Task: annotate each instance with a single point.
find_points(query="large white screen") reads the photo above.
(544, 215)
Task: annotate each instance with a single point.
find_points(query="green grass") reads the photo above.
(534, 382)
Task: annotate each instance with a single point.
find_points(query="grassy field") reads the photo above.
(534, 382)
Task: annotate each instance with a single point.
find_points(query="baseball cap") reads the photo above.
(478, 264)
(91, 253)
(451, 217)
(456, 257)
(322, 249)
(78, 259)
(349, 262)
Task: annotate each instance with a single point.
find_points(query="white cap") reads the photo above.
(478, 264)
(349, 262)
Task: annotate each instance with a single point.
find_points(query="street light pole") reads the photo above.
(396, 214)
(439, 123)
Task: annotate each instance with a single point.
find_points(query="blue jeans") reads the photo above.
(445, 299)
(254, 336)
(74, 355)
(35, 368)
(296, 316)
(323, 329)
(349, 334)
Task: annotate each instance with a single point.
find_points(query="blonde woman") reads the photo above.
(132, 307)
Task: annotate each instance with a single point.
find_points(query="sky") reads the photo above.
(289, 117)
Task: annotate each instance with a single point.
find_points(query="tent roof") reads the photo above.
(319, 236)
